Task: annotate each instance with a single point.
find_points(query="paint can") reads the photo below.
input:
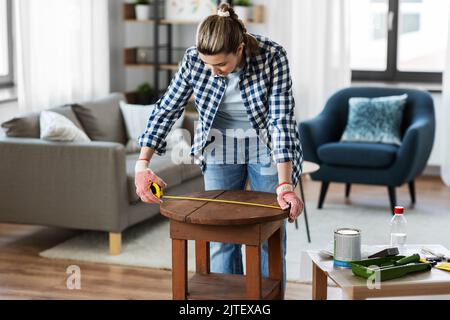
(347, 246)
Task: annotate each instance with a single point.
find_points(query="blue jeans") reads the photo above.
(227, 257)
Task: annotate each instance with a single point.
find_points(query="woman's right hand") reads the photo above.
(143, 179)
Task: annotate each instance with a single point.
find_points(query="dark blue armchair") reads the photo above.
(369, 163)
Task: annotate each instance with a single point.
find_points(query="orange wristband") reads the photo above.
(285, 182)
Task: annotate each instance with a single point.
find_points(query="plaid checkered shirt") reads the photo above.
(266, 89)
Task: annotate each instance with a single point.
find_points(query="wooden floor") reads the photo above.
(25, 275)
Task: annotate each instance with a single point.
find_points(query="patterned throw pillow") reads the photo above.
(376, 120)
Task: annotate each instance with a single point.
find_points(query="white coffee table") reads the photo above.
(434, 282)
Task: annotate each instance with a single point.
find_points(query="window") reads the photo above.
(399, 40)
(369, 35)
(6, 65)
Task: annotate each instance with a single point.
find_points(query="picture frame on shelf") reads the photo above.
(194, 10)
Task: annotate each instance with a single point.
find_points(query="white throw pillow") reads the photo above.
(136, 118)
(56, 127)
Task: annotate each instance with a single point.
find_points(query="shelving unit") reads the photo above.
(130, 56)
(170, 65)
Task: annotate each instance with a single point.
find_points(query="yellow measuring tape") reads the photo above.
(158, 192)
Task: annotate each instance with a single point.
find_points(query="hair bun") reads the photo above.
(221, 13)
(225, 10)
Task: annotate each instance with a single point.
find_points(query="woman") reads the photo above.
(242, 90)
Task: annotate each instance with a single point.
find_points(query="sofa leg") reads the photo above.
(392, 198)
(323, 193)
(347, 189)
(412, 191)
(115, 243)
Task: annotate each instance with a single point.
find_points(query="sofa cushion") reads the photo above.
(358, 154)
(67, 112)
(190, 171)
(23, 126)
(102, 119)
(56, 127)
(376, 120)
(136, 119)
(27, 125)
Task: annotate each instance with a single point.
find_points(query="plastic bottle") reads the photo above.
(398, 230)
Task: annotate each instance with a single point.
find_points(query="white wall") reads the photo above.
(117, 42)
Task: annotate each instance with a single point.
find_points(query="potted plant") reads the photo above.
(242, 9)
(145, 94)
(142, 8)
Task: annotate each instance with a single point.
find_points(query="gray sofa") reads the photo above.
(81, 185)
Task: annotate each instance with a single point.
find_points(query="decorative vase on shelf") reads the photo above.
(243, 13)
(142, 9)
(243, 9)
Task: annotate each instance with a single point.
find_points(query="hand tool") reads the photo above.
(403, 261)
(158, 192)
(389, 252)
(435, 254)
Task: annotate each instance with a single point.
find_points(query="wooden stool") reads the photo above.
(204, 222)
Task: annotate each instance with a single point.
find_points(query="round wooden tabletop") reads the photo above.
(216, 213)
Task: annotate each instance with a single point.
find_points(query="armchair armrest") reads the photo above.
(414, 151)
(77, 185)
(314, 133)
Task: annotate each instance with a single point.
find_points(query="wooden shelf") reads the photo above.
(129, 16)
(172, 67)
(130, 61)
(139, 21)
(179, 22)
(139, 65)
(226, 287)
(165, 67)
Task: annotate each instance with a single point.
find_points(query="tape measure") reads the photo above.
(158, 192)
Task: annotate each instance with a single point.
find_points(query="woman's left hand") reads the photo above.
(286, 198)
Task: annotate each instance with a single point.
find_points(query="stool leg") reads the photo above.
(304, 209)
(276, 260)
(202, 256)
(179, 269)
(320, 282)
(253, 270)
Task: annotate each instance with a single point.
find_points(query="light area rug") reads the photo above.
(148, 244)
